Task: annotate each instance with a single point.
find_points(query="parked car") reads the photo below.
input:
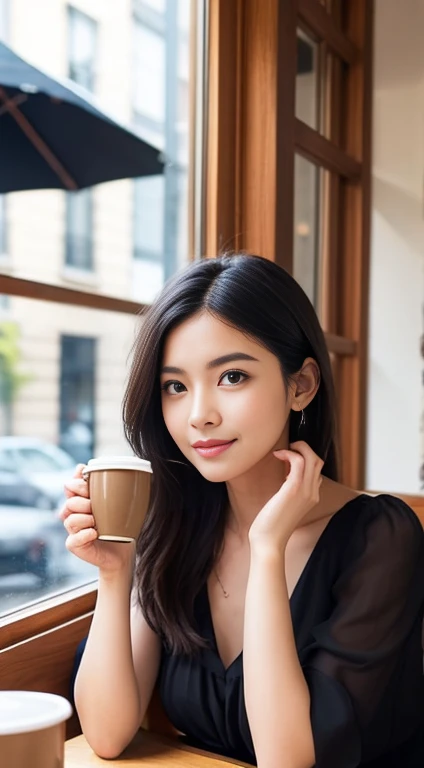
(15, 489)
(33, 472)
(32, 541)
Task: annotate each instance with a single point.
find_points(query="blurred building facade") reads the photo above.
(121, 239)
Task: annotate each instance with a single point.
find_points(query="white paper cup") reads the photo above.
(32, 729)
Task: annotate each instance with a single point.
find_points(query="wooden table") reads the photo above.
(147, 750)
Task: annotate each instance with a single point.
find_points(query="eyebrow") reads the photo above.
(231, 358)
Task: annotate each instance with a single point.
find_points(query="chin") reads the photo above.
(214, 474)
(222, 474)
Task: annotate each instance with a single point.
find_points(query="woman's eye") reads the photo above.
(233, 377)
(173, 387)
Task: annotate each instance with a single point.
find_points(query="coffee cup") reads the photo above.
(32, 729)
(119, 488)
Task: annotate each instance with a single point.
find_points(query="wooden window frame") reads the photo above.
(253, 138)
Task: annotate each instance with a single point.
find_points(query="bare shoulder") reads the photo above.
(333, 497)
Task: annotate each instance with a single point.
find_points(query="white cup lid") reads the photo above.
(24, 711)
(117, 462)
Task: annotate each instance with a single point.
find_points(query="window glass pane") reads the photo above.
(307, 80)
(62, 368)
(306, 227)
(79, 229)
(77, 396)
(318, 86)
(82, 48)
(62, 378)
(123, 238)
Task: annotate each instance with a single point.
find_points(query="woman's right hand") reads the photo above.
(82, 541)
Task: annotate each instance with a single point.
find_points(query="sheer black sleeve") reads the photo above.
(356, 657)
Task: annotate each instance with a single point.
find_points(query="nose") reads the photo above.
(203, 410)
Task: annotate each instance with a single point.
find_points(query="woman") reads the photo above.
(278, 611)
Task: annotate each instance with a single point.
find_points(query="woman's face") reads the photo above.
(218, 386)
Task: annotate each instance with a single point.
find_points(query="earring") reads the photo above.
(302, 420)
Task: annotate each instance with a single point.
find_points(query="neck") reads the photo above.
(250, 492)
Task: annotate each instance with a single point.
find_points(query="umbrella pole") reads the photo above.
(40, 145)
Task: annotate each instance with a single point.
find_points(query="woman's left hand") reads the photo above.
(284, 512)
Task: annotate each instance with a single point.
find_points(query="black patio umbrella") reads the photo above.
(52, 135)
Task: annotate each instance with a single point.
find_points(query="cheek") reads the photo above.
(267, 410)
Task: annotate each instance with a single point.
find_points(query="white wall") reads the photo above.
(395, 399)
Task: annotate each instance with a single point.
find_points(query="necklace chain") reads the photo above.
(224, 591)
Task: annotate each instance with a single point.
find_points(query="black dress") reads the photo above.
(357, 613)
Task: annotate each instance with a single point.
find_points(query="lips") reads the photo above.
(211, 448)
(210, 443)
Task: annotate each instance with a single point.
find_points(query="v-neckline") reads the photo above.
(301, 578)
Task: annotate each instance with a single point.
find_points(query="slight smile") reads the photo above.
(210, 448)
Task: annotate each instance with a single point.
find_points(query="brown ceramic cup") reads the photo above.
(119, 489)
(32, 729)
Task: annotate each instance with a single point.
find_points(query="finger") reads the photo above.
(79, 540)
(76, 504)
(79, 470)
(75, 523)
(313, 463)
(296, 463)
(76, 487)
(300, 446)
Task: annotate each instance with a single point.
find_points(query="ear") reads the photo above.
(305, 384)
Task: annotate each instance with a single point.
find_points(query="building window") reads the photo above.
(77, 385)
(79, 205)
(149, 236)
(149, 98)
(79, 230)
(82, 48)
(161, 117)
(155, 5)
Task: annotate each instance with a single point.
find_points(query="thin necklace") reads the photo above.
(224, 591)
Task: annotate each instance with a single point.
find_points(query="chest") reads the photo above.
(227, 586)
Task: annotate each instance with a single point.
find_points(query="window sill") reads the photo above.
(22, 624)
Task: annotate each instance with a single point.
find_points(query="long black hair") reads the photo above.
(184, 527)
